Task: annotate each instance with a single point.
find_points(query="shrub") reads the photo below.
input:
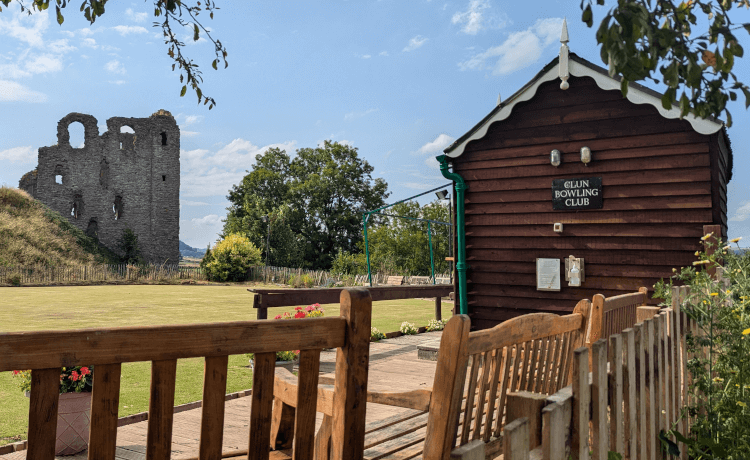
(720, 366)
(408, 328)
(376, 335)
(232, 257)
(15, 280)
(435, 325)
(130, 248)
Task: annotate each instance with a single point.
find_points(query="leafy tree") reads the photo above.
(207, 257)
(184, 13)
(695, 58)
(131, 250)
(399, 245)
(231, 258)
(314, 201)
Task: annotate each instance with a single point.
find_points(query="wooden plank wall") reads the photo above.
(657, 178)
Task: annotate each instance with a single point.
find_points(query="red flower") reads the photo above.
(298, 308)
(277, 317)
(16, 372)
(300, 314)
(73, 376)
(85, 371)
(309, 308)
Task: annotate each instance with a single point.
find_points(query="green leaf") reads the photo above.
(624, 87)
(184, 90)
(196, 32)
(747, 96)
(213, 64)
(668, 444)
(60, 18)
(614, 455)
(588, 16)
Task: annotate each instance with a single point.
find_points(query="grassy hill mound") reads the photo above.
(33, 234)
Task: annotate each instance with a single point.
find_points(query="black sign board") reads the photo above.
(575, 194)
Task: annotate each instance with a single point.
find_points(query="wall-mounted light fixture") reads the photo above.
(585, 155)
(555, 158)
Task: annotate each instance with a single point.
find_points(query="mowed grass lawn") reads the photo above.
(74, 307)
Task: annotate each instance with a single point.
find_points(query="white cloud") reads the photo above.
(128, 30)
(193, 203)
(44, 64)
(471, 19)
(476, 18)
(415, 43)
(363, 56)
(184, 133)
(520, 49)
(383, 53)
(438, 145)
(116, 82)
(19, 154)
(742, 213)
(13, 91)
(432, 163)
(211, 219)
(13, 71)
(207, 173)
(191, 119)
(89, 43)
(115, 66)
(24, 27)
(60, 46)
(137, 17)
(353, 115)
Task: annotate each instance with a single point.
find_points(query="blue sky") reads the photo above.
(397, 79)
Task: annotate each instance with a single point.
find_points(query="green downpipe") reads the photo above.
(461, 265)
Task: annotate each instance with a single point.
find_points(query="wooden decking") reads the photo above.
(393, 367)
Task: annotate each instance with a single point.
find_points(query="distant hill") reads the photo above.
(189, 251)
(33, 234)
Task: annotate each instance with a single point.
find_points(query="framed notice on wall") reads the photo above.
(547, 274)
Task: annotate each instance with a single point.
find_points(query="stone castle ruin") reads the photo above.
(125, 178)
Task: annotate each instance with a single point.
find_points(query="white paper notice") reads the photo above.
(548, 274)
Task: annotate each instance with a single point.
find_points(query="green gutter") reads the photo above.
(461, 265)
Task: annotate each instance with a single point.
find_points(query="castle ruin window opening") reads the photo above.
(93, 229)
(59, 174)
(163, 138)
(163, 177)
(117, 208)
(76, 210)
(104, 173)
(126, 134)
(77, 135)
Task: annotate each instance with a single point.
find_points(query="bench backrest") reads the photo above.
(612, 315)
(106, 349)
(529, 353)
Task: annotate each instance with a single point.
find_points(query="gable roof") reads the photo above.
(578, 67)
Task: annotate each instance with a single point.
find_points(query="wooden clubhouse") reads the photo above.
(567, 166)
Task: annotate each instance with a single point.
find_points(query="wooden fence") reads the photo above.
(44, 275)
(637, 388)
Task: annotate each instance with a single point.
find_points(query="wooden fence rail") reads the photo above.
(45, 275)
(637, 388)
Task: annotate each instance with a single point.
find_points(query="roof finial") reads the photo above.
(563, 61)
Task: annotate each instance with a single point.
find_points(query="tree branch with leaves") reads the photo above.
(185, 14)
(692, 44)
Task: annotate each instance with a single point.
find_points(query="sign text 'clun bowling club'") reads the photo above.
(575, 194)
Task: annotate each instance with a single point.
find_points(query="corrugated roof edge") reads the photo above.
(601, 76)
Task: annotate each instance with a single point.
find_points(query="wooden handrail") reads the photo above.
(47, 351)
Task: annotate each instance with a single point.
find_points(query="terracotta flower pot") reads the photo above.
(73, 420)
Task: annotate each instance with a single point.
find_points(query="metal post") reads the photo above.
(450, 239)
(432, 259)
(366, 216)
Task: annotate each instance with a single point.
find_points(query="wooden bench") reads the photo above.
(106, 349)
(612, 315)
(475, 372)
(394, 280)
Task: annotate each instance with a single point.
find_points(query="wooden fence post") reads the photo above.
(516, 440)
(524, 404)
(616, 424)
(348, 436)
(581, 404)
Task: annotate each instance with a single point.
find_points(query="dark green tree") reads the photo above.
(130, 248)
(399, 245)
(690, 46)
(168, 12)
(314, 203)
